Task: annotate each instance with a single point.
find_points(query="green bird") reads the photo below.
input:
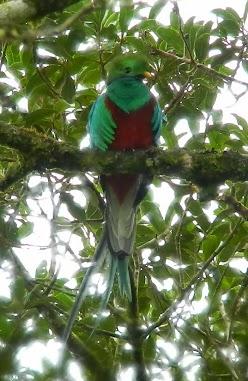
(125, 117)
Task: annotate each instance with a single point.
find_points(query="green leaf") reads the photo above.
(144, 25)
(90, 77)
(25, 230)
(202, 46)
(245, 65)
(231, 23)
(228, 252)
(241, 121)
(170, 138)
(135, 42)
(10, 230)
(156, 8)
(18, 292)
(126, 14)
(65, 301)
(227, 14)
(218, 138)
(217, 116)
(172, 37)
(229, 27)
(27, 56)
(41, 270)
(13, 56)
(174, 20)
(245, 11)
(60, 46)
(7, 362)
(150, 349)
(87, 96)
(195, 208)
(5, 328)
(33, 82)
(68, 89)
(144, 234)
(110, 18)
(39, 115)
(74, 208)
(209, 245)
(226, 56)
(151, 210)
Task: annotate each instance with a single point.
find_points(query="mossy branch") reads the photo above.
(21, 11)
(40, 152)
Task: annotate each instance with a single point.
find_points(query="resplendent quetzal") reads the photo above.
(126, 117)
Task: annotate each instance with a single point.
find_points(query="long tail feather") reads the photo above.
(110, 281)
(124, 278)
(121, 267)
(97, 261)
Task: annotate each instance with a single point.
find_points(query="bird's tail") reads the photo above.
(123, 193)
(119, 267)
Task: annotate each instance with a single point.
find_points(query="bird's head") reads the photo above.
(128, 65)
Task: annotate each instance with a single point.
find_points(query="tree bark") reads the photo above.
(39, 152)
(21, 11)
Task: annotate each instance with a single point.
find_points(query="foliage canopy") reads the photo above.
(189, 320)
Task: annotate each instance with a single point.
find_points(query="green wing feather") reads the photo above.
(101, 125)
(157, 119)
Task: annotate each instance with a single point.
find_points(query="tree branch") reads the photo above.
(21, 11)
(40, 152)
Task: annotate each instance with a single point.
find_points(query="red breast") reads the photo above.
(134, 129)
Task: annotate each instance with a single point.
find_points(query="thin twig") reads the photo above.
(176, 10)
(201, 66)
(178, 97)
(103, 332)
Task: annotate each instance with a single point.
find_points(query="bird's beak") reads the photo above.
(148, 75)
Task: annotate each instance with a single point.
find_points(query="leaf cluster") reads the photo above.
(189, 266)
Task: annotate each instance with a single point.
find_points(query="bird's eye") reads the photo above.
(127, 69)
